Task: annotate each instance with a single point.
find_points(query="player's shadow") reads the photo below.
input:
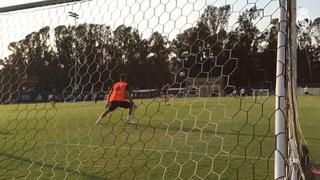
(54, 167)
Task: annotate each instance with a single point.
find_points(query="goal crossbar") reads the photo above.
(36, 4)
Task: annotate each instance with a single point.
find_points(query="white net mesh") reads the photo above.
(206, 50)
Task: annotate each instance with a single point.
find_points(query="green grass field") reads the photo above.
(212, 138)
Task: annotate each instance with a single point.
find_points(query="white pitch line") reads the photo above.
(160, 150)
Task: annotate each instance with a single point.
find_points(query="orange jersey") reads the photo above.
(118, 92)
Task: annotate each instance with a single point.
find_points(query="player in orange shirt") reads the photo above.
(119, 96)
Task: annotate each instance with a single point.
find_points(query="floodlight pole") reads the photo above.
(75, 16)
(280, 92)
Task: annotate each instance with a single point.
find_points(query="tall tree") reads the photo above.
(245, 40)
(158, 59)
(196, 46)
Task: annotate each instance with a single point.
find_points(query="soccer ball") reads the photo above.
(182, 74)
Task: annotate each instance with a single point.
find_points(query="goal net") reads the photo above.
(260, 92)
(59, 60)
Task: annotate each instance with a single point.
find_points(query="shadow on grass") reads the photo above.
(51, 166)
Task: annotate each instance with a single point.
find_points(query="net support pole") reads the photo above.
(293, 141)
(293, 27)
(280, 122)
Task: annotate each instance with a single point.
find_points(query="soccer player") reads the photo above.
(95, 97)
(242, 92)
(52, 98)
(306, 90)
(164, 93)
(234, 93)
(119, 96)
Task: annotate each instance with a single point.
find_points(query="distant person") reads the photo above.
(165, 93)
(306, 92)
(96, 96)
(119, 96)
(52, 98)
(234, 93)
(242, 92)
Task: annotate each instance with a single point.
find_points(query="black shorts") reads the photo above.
(115, 104)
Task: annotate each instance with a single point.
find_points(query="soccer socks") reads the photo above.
(134, 106)
(98, 121)
(130, 120)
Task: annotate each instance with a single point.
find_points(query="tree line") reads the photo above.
(91, 56)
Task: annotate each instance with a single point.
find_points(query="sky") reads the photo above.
(167, 16)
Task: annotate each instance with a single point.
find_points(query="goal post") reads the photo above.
(36, 4)
(280, 94)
